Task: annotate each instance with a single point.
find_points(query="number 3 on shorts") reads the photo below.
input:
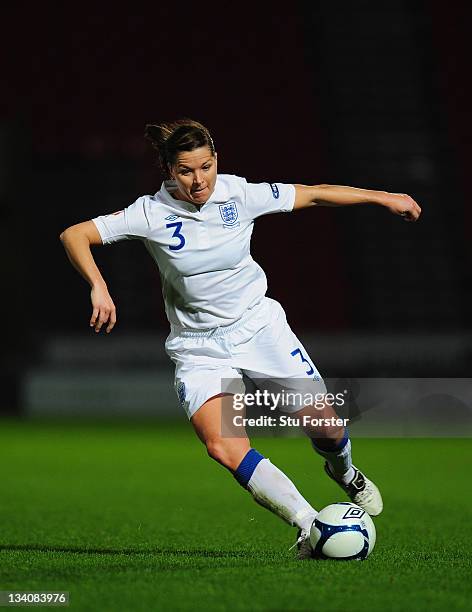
(310, 370)
(176, 234)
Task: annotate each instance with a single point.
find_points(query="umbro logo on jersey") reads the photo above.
(172, 217)
(229, 213)
(275, 190)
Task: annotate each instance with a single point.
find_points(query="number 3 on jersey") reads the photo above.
(310, 370)
(178, 235)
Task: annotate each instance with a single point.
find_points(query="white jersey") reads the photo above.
(209, 278)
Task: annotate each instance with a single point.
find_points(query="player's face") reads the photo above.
(195, 175)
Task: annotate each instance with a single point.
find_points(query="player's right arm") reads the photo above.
(77, 241)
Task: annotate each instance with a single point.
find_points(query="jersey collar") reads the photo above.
(220, 194)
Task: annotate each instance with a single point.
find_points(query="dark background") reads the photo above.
(364, 94)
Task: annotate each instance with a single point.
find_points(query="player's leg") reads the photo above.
(328, 439)
(332, 442)
(276, 355)
(225, 443)
(276, 359)
(268, 485)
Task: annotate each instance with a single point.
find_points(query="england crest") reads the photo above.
(229, 213)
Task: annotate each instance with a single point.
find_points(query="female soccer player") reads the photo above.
(197, 228)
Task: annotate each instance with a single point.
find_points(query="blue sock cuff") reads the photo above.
(334, 449)
(246, 468)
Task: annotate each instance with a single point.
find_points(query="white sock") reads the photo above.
(339, 462)
(272, 489)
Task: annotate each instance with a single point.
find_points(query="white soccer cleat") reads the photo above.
(361, 491)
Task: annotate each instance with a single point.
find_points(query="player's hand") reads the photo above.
(403, 205)
(104, 311)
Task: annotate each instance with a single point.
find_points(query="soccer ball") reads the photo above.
(342, 531)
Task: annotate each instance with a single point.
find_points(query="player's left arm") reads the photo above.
(339, 195)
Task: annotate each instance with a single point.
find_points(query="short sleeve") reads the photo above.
(267, 198)
(132, 222)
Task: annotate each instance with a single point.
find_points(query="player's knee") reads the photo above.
(224, 452)
(216, 450)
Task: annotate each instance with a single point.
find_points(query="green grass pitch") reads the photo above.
(136, 517)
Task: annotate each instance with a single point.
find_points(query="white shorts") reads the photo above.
(260, 345)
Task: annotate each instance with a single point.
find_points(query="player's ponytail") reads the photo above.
(169, 139)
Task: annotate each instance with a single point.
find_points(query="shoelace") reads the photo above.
(300, 539)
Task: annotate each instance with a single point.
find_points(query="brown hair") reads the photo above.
(169, 139)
